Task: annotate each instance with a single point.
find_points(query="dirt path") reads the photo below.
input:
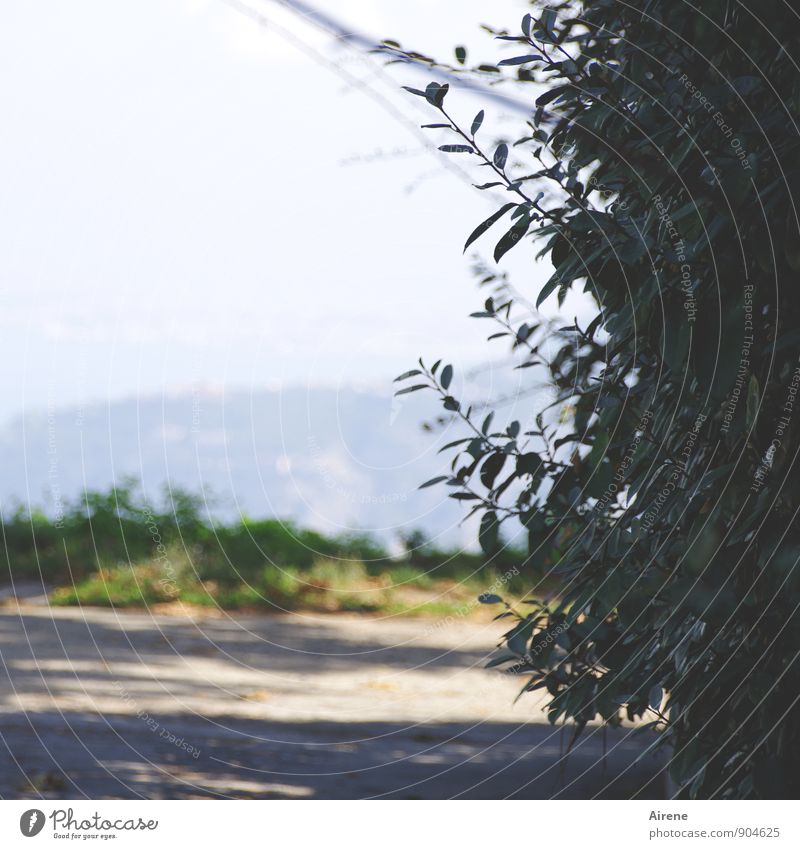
(103, 704)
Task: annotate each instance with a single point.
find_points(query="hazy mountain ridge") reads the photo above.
(332, 459)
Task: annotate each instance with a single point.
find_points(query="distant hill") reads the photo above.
(329, 459)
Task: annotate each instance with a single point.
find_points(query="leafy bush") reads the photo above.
(102, 530)
(657, 173)
(116, 549)
(328, 586)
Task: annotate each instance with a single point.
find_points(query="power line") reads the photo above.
(352, 80)
(362, 42)
(334, 27)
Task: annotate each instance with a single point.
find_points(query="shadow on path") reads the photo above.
(99, 705)
(73, 756)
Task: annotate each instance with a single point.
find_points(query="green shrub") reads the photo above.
(658, 173)
(116, 549)
(106, 529)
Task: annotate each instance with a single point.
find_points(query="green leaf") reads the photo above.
(456, 148)
(521, 60)
(552, 284)
(517, 638)
(446, 377)
(406, 374)
(501, 155)
(415, 388)
(655, 696)
(433, 481)
(513, 236)
(489, 598)
(454, 443)
(461, 54)
(528, 463)
(488, 535)
(491, 468)
(476, 123)
(435, 92)
(527, 23)
(553, 93)
(485, 225)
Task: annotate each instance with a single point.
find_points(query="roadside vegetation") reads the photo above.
(656, 170)
(116, 549)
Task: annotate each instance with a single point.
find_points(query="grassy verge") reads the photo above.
(114, 549)
(328, 585)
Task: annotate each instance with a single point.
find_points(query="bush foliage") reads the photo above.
(117, 548)
(102, 530)
(657, 174)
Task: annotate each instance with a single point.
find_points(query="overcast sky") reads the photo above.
(188, 198)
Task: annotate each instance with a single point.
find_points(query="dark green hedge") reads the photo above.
(659, 172)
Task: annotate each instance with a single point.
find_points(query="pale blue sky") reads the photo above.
(188, 199)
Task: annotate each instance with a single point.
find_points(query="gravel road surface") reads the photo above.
(103, 704)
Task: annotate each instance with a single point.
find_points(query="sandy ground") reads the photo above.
(103, 704)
